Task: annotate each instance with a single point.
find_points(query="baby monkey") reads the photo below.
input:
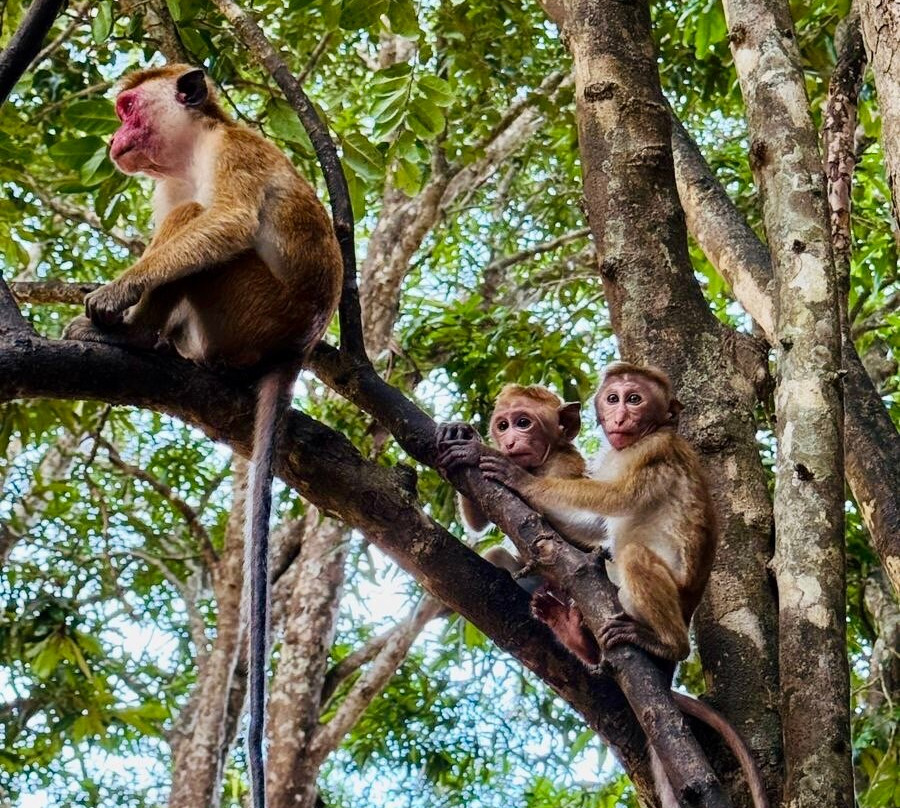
(534, 429)
(651, 491)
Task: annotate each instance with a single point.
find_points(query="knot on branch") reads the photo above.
(600, 91)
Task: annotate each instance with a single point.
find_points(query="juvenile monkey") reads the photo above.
(650, 488)
(534, 429)
(244, 271)
(660, 531)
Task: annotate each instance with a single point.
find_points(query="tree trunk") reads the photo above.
(294, 701)
(881, 33)
(809, 480)
(660, 316)
(201, 732)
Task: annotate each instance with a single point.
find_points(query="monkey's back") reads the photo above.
(277, 298)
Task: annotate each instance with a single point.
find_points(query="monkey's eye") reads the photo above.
(523, 422)
(502, 425)
(124, 105)
(612, 398)
(634, 398)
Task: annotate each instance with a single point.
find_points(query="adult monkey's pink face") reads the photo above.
(158, 127)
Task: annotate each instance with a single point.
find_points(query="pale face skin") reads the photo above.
(156, 131)
(628, 408)
(519, 434)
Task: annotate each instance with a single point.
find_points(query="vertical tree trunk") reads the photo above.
(809, 484)
(881, 33)
(295, 698)
(202, 729)
(659, 316)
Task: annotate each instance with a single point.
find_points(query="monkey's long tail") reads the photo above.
(714, 719)
(273, 396)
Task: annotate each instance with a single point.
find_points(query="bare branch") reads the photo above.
(51, 292)
(77, 18)
(328, 736)
(324, 467)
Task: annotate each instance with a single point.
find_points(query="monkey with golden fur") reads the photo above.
(659, 516)
(534, 428)
(244, 271)
(648, 507)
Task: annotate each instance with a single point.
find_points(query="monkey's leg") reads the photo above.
(652, 607)
(567, 624)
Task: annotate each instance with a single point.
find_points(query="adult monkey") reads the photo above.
(244, 272)
(660, 526)
(534, 428)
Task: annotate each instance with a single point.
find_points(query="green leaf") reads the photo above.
(402, 15)
(407, 176)
(74, 153)
(356, 14)
(101, 25)
(97, 168)
(436, 90)
(284, 124)
(365, 160)
(425, 119)
(95, 117)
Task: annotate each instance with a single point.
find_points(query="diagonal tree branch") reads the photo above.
(325, 468)
(26, 43)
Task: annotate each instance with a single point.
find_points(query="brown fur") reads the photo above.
(661, 570)
(244, 271)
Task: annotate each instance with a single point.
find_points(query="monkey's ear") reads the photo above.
(570, 419)
(675, 407)
(191, 87)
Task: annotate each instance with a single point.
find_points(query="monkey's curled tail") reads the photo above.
(715, 720)
(273, 396)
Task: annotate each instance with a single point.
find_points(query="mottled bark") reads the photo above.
(871, 441)
(883, 610)
(660, 316)
(201, 732)
(295, 696)
(881, 32)
(809, 478)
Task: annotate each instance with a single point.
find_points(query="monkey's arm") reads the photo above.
(641, 484)
(214, 236)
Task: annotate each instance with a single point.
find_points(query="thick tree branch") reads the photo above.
(872, 444)
(341, 212)
(809, 475)
(26, 43)
(325, 468)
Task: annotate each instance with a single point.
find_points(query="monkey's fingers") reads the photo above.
(106, 306)
(622, 630)
(457, 456)
(456, 432)
(500, 470)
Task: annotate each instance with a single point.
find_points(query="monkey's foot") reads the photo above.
(106, 306)
(623, 630)
(567, 624)
(81, 328)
